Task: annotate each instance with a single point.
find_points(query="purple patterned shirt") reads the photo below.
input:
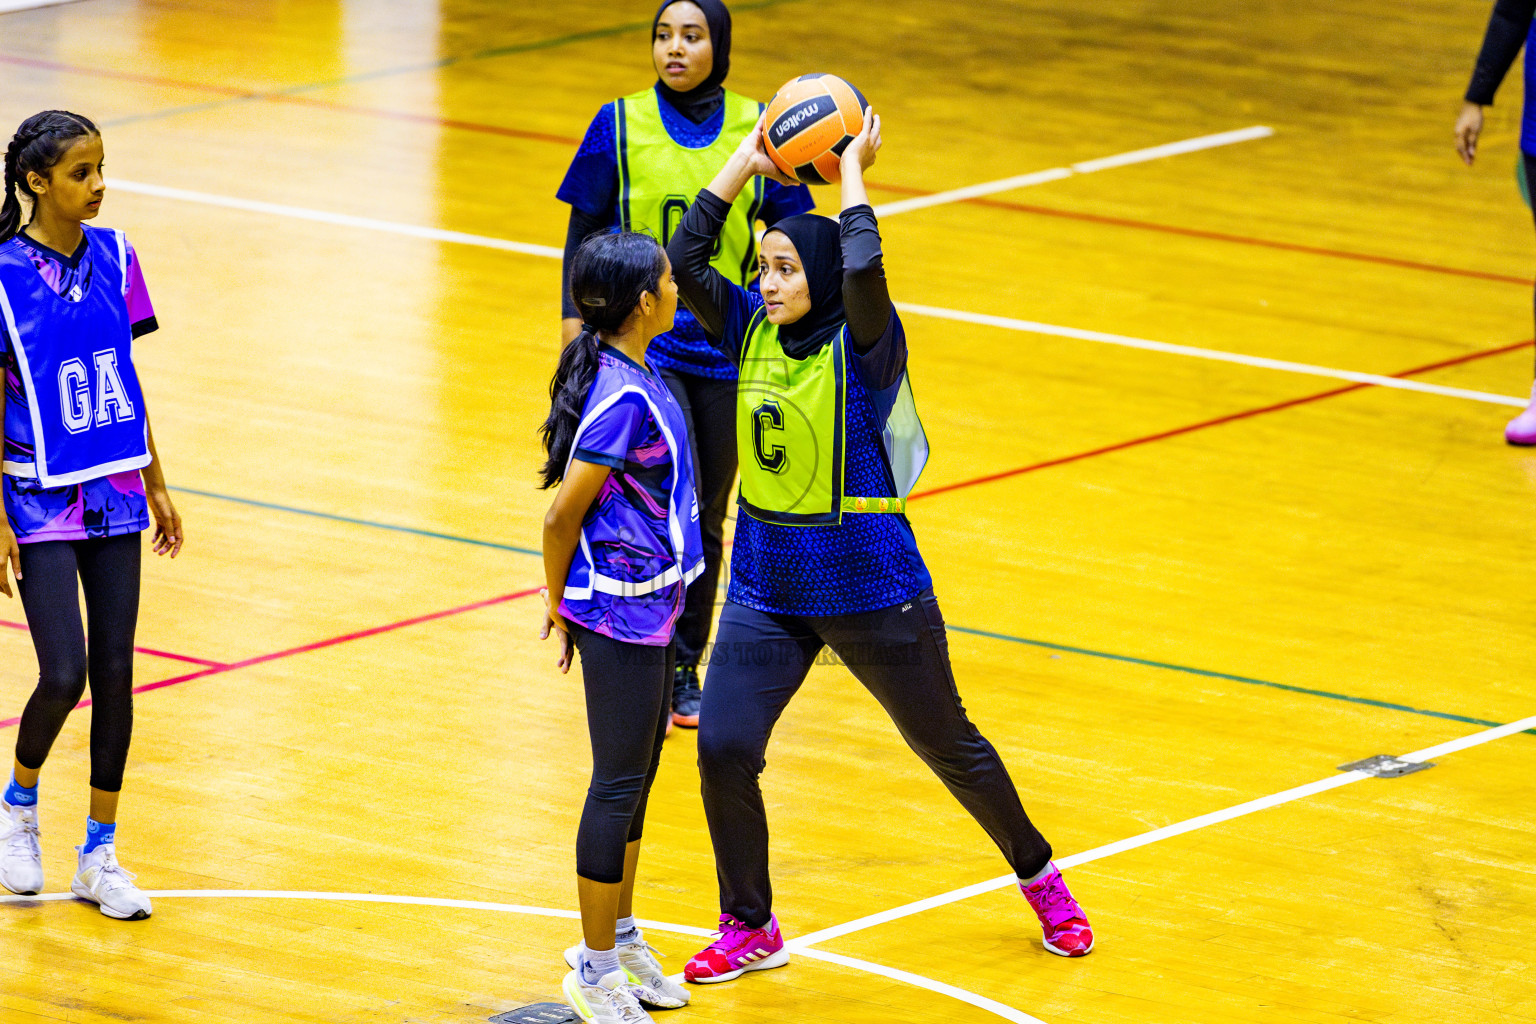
(640, 544)
(107, 506)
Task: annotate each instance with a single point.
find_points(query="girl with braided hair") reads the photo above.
(81, 481)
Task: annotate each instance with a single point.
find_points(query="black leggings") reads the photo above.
(901, 655)
(629, 699)
(108, 570)
(710, 408)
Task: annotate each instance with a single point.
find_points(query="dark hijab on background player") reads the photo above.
(818, 242)
(701, 102)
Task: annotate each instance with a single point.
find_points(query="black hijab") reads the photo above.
(818, 240)
(700, 103)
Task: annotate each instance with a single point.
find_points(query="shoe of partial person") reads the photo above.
(1065, 925)
(650, 984)
(1522, 429)
(610, 1001)
(21, 857)
(686, 696)
(109, 885)
(737, 949)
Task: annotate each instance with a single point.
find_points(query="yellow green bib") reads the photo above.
(658, 178)
(791, 431)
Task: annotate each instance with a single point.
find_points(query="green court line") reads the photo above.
(1329, 694)
(1046, 644)
(359, 522)
(510, 50)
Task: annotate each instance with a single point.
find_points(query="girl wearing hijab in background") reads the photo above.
(642, 160)
(825, 555)
(1509, 27)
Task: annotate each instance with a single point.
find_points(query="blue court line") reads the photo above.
(436, 65)
(359, 522)
(1228, 676)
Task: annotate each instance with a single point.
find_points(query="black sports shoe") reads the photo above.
(686, 696)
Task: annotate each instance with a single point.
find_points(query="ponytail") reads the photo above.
(38, 144)
(10, 209)
(609, 273)
(567, 397)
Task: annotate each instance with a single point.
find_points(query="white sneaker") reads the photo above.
(649, 982)
(21, 858)
(106, 883)
(610, 1001)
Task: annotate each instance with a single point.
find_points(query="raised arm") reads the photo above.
(704, 290)
(715, 301)
(865, 296)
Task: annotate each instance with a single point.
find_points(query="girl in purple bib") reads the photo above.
(81, 481)
(621, 545)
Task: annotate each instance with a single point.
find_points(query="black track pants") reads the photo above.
(901, 655)
(53, 574)
(629, 699)
(710, 408)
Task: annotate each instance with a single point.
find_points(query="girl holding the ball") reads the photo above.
(829, 445)
(82, 480)
(643, 158)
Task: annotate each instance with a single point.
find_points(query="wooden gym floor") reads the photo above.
(1175, 584)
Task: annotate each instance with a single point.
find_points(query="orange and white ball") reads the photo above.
(810, 122)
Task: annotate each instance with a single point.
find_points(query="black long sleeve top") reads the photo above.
(723, 308)
(1508, 26)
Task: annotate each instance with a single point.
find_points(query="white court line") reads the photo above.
(1156, 835)
(799, 945)
(1138, 156)
(13, 6)
(938, 312)
(917, 980)
(339, 219)
(1002, 1010)
(1216, 355)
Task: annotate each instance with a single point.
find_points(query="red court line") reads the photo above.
(1222, 236)
(431, 119)
(1218, 421)
(142, 650)
(125, 76)
(361, 634)
(1000, 204)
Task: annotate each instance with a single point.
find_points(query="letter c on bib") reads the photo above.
(772, 457)
(75, 395)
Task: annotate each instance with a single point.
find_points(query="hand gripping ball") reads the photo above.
(810, 122)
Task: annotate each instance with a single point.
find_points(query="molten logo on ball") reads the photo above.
(811, 110)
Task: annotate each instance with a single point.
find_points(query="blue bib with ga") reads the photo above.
(83, 399)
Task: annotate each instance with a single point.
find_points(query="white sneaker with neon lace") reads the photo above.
(649, 982)
(21, 858)
(109, 885)
(610, 1001)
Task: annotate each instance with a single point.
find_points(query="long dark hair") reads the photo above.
(38, 144)
(609, 273)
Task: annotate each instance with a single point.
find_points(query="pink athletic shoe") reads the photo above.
(1066, 926)
(738, 949)
(1522, 429)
